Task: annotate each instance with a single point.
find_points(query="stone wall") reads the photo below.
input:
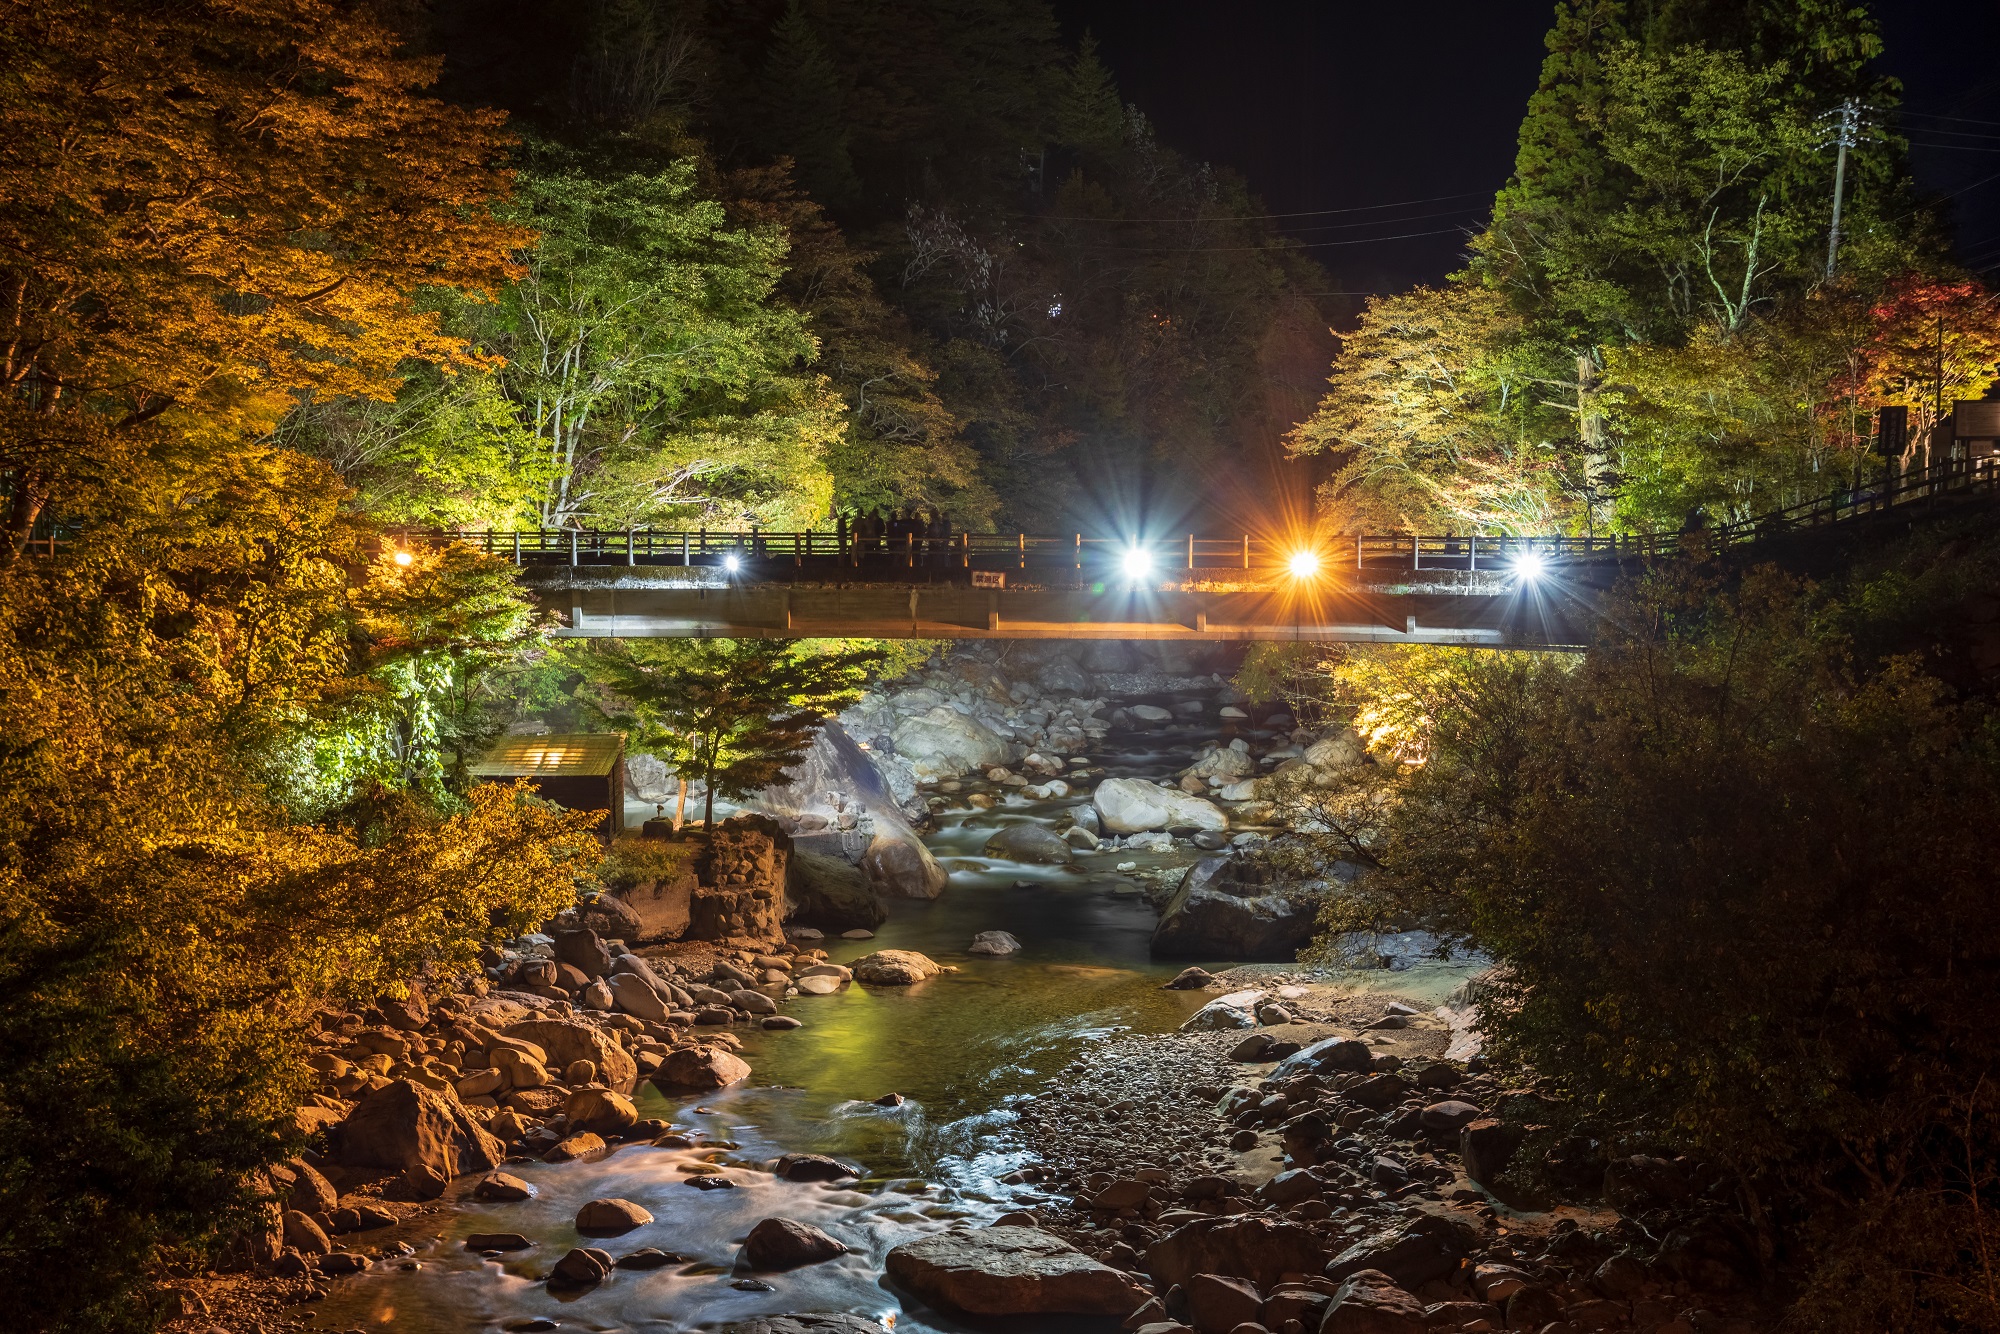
(741, 895)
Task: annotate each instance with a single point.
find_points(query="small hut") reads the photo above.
(583, 771)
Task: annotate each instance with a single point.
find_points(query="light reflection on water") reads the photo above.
(960, 1048)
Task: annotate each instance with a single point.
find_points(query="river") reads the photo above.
(959, 1048)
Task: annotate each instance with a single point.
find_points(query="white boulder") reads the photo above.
(943, 743)
(1132, 805)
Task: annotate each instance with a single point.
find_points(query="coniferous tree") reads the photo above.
(805, 109)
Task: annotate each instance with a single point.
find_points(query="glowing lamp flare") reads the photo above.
(1303, 564)
(1137, 563)
(1530, 565)
(732, 562)
(404, 558)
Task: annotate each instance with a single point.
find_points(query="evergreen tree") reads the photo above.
(804, 106)
(1087, 112)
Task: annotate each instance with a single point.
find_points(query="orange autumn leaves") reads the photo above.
(207, 208)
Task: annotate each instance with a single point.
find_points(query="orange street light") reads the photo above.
(1303, 564)
(404, 558)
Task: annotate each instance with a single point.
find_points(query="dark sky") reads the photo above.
(1346, 104)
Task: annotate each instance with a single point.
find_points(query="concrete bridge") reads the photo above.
(1481, 591)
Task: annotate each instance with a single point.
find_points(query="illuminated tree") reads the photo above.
(735, 713)
(207, 208)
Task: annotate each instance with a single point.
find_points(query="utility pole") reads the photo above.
(1846, 134)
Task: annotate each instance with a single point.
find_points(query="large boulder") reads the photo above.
(745, 869)
(1328, 1056)
(944, 743)
(634, 995)
(1025, 842)
(1220, 912)
(828, 893)
(781, 1243)
(406, 1127)
(1259, 1249)
(1370, 1302)
(895, 968)
(899, 865)
(1012, 1271)
(1133, 806)
(1238, 1009)
(699, 1070)
(1412, 1253)
(567, 1042)
(582, 949)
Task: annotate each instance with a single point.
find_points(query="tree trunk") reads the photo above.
(31, 493)
(681, 805)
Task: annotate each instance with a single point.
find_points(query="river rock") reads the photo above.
(304, 1235)
(581, 1268)
(502, 1188)
(600, 1111)
(1343, 750)
(583, 949)
(994, 942)
(1236, 1010)
(1220, 1304)
(1150, 713)
(634, 996)
(1416, 1251)
(781, 1243)
(944, 743)
(1244, 1246)
(404, 1126)
(752, 1002)
(828, 893)
(899, 865)
(1133, 806)
(1326, 1057)
(1189, 979)
(566, 1041)
(1024, 842)
(1213, 914)
(894, 968)
(813, 1167)
(1371, 1302)
(812, 1322)
(818, 985)
(1011, 1271)
(698, 1070)
(609, 1218)
(1449, 1117)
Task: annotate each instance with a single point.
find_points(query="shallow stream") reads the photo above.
(958, 1047)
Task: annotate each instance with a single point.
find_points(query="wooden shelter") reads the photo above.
(584, 771)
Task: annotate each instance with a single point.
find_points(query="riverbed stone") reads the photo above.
(1261, 1250)
(894, 968)
(1238, 1009)
(814, 1167)
(1025, 842)
(635, 996)
(1133, 806)
(1218, 1304)
(404, 1125)
(830, 894)
(784, 1243)
(811, 1322)
(1328, 1056)
(698, 1070)
(1011, 1271)
(1412, 1253)
(567, 1040)
(899, 865)
(818, 986)
(994, 943)
(611, 1217)
(502, 1188)
(600, 1111)
(944, 743)
(1213, 914)
(580, 1268)
(1371, 1302)
(1189, 979)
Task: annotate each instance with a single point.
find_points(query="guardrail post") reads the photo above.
(631, 557)
(1022, 538)
(572, 546)
(1079, 551)
(517, 546)
(1246, 551)
(1190, 563)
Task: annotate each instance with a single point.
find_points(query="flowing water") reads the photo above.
(959, 1048)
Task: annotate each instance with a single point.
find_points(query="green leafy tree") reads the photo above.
(734, 713)
(646, 355)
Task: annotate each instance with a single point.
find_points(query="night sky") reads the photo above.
(1345, 105)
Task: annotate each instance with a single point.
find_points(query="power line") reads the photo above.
(1932, 115)
(1295, 245)
(1261, 217)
